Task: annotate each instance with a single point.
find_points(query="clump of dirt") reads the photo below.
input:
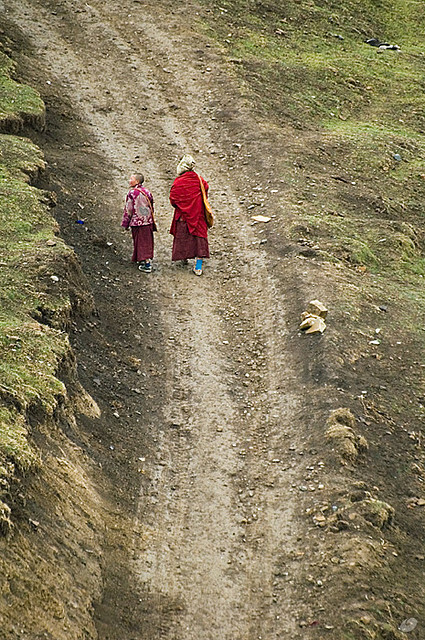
(341, 432)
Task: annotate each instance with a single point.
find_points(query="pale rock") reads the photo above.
(317, 308)
(307, 321)
(317, 326)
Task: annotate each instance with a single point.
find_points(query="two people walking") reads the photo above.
(189, 225)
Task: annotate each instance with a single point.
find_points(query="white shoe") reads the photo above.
(197, 272)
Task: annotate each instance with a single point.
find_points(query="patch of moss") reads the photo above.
(379, 513)
(16, 100)
(30, 354)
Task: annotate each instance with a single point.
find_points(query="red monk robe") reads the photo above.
(189, 226)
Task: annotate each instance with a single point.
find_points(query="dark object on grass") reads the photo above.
(374, 42)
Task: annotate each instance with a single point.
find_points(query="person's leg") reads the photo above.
(197, 268)
(145, 247)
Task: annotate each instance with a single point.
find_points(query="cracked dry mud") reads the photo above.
(200, 387)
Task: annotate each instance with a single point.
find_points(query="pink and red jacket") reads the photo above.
(138, 210)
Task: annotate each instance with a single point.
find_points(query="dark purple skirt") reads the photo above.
(187, 246)
(142, 242)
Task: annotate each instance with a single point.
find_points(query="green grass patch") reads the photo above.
(318, 77)
(31, 256)
(29, 352)
(380, 247)
(16, 99)
(305, 63)
(29, 358)
(19, 156)
(14, 444)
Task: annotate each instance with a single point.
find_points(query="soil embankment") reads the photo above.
(216, 490)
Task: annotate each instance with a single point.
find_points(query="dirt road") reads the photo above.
(202, 394)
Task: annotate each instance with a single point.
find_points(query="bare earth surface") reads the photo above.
(206, 390)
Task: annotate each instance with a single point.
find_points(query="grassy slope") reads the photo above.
(368, 106)
(18, 103)
(305, 68)
(29, 351)
(359, 110)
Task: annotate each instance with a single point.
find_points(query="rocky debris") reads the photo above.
(261, 218)
(354, 511)
(313, 320)
(415, 502)
(312, 324)
(340, 431)
(34, 524)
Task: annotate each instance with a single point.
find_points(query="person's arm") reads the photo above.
(128, 211)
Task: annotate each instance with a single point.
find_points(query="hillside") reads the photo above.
(179, 460)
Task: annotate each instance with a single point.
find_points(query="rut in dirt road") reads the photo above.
(215, 523)
(214, 514)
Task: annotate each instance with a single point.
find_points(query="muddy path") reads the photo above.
(203, 395)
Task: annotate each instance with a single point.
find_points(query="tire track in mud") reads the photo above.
(216, 520)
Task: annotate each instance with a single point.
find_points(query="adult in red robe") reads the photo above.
(189, 226)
